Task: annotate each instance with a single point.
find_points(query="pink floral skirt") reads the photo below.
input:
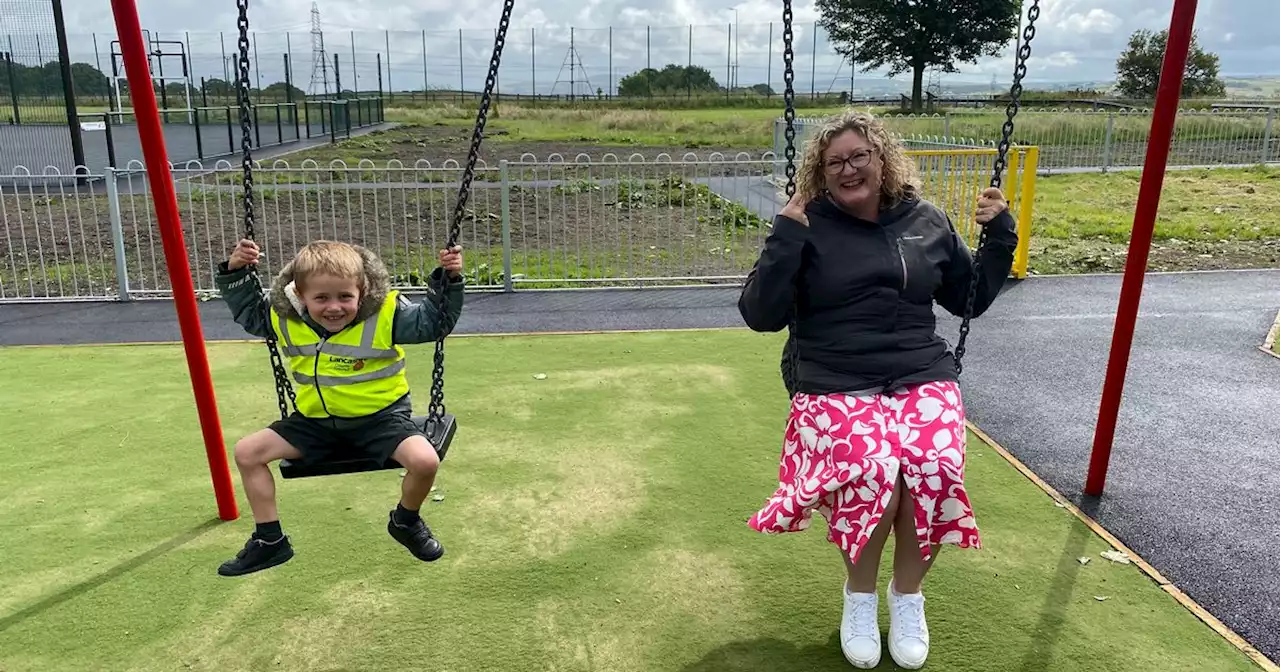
(842, 456)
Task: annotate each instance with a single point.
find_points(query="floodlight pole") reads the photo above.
(1162, 123)
(151, 134)
(69, 92)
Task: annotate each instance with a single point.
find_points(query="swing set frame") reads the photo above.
(164, 198)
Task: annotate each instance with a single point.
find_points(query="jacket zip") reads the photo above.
(903, 257)
(315, 376)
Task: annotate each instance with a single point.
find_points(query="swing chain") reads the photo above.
(436, 407)
(284, 391)
(482, 116)
(790, 358)
(789, 95)
(1015, 96)
(1015, 93)
(242, 92)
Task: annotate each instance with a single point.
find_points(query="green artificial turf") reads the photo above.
(593, 520)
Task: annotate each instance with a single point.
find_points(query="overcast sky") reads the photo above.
(1076, 40)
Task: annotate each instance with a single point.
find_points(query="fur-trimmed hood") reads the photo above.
(285, 300)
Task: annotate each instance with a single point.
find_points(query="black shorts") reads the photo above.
(376, 436)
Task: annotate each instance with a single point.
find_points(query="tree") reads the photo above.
(1138, 68)
(218, 87)
(46, 80)
(671, 80)
(916, 35)
(88, 80)
(282, 91)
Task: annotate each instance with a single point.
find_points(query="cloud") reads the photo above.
(1094, 21)
(1076, 40)
(1061, 59)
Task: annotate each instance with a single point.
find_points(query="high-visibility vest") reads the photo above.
(357, 371)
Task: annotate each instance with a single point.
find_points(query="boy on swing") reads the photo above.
(339, 327)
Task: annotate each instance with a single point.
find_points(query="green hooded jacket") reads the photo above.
(420, 322)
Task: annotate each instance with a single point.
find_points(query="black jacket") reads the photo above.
(862, 292)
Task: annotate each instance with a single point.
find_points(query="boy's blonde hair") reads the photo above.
(900, 177)
(328, 257)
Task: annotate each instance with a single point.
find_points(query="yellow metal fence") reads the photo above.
(953, 179)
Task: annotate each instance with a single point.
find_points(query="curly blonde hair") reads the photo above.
(899, 176)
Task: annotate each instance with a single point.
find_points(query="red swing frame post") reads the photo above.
(151, 135)
(1163, 119)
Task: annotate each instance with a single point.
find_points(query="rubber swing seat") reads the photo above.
(440, 434)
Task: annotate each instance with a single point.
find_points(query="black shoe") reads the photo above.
(416, 537)
(257, 555)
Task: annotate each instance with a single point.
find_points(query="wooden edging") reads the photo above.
(1269, 343)
(1191, 605)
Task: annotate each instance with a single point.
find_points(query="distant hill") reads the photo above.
(1253, 87)
(1237, 87)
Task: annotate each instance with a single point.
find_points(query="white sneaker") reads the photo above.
(908, 632)
(860, 629)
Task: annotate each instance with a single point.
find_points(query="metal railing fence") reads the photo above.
(1080, 140)
(612, 221)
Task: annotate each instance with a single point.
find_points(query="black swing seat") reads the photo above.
(440, 434)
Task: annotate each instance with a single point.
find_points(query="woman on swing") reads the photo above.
(875, 440)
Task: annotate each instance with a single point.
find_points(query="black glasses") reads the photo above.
(836, 165)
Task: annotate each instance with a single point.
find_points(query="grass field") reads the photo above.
(703, 128)
(1208, 219)
(594, 519)
(1067, 139)
(751, 125)
(746, 127)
